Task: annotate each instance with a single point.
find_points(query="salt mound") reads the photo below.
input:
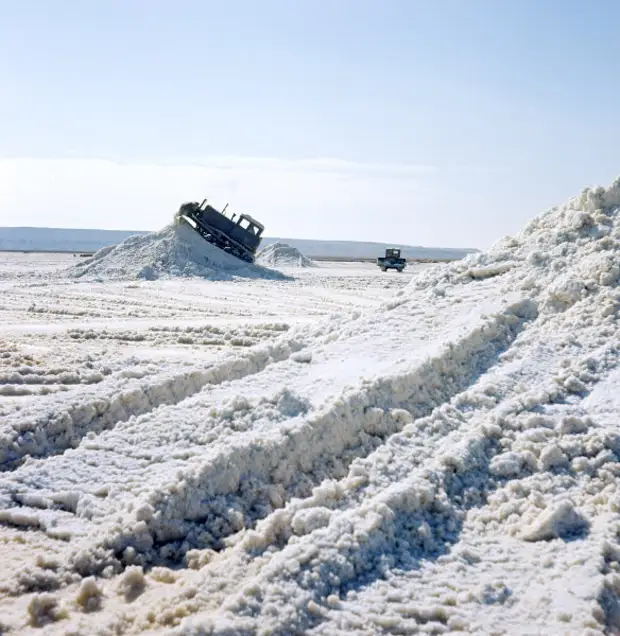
(565, 255)
(176, 250)
(282, 254)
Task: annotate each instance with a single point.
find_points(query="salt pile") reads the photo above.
(283, 255)
(176, 250)
(567, 254)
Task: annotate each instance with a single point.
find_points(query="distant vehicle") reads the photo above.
(392, 260)
(240, 237)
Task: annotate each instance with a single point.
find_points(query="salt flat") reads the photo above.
(321, 450)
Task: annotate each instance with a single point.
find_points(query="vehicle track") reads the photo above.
(52, 430)
(342, 536)
(218, 493)
(416, 519)
(408, 500)
(302, 456)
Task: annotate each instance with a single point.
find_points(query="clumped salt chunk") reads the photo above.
(552, 457)
(572, 425)
(559, 521)
(145, 512)
(89, 595)
(197, 559)
(457, 624)
(164, 575)
(304, 357)
(307, 520)
(574, 385)
(132, 583)
(45, 608)
(315, 609)
(581, 465)
(333, 601)
(565, 292)
(507, 465)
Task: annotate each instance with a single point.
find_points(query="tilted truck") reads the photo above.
(392, 260)
(240, 237)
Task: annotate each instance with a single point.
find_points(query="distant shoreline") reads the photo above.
(31, 240)
(334, 259)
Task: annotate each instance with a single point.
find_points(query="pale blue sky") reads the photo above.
(450, 122)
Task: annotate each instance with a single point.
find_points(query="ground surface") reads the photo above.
(341, 452)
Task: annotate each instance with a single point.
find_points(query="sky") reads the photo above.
(444, 123)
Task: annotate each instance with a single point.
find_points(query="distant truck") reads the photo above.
(392, 260)
(240, 237)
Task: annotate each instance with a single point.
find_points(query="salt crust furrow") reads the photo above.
(249, 477)
(498, 512)
(454, 471)
(53, 428)
(399, 522)
(246, 478)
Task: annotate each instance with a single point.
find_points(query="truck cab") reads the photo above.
(392, 260)
(246, 222)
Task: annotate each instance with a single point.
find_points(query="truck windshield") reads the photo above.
(247, 225)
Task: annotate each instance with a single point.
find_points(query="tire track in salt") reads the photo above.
(413, 518)
(53, 428)
(230, 488)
